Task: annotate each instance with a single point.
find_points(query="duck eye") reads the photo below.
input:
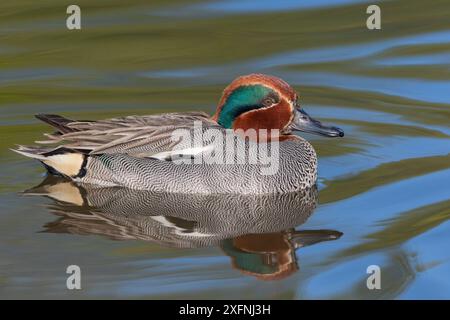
(268, 102)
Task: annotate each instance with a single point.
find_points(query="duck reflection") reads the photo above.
(256, 231)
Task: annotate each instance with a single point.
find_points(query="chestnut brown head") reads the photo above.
(259, 101)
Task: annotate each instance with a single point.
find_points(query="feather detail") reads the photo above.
(140, 136)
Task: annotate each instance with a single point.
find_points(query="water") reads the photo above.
(383, 193)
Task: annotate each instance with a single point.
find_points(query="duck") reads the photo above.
(184, 152)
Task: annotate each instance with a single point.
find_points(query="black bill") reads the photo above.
(303, 122)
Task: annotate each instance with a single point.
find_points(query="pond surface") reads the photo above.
(383, 191)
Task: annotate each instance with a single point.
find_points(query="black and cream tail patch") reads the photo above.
(62, 161)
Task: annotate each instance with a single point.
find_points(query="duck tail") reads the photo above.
(58, 122)
(60, 161)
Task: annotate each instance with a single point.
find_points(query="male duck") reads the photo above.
(143, 152)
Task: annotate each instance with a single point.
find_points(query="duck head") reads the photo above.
(259, 101)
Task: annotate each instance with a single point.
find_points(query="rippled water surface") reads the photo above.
(383, 198)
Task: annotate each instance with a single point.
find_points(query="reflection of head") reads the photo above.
(271, 256)
(265, 256)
